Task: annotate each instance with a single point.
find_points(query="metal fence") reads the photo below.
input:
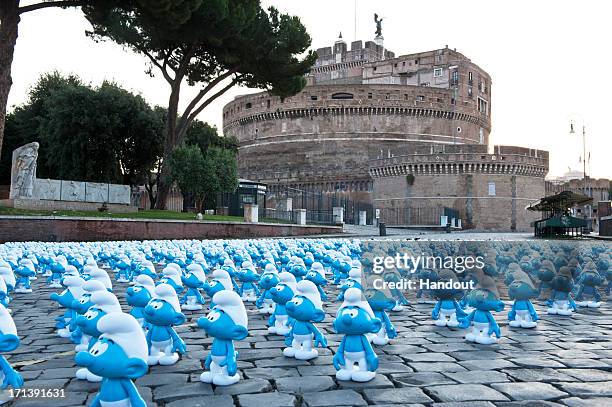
(425, 216)
(320, 217)
(319, 204)
(286, 216)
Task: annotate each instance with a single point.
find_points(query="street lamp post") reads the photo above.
(584, 175)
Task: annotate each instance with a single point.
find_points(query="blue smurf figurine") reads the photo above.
(139, 295)
(521, 290)
(73, 291)
(305, 308)
(119, 356)
(221, 280)
(353, 280)
(22, 284)
(546, 273)
(81, 306)
(483, 299)
(161, 314)
(172, 276)
(226, 322)
(355, 359)
(267, 281)
(317, 276)
(103, 303)
(248, 277)
(9, 341)
(282, 293)
(561, 302)
(393, 276)
(447, 311)
(587, 294)
(380, 304)
(194, 280)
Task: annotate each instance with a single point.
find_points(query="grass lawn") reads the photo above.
(145, 214)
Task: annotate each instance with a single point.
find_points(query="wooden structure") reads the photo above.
(556, 216)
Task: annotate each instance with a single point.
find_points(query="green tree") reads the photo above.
(10, 16)
(211, 44)
(104, 134)
(204, 136)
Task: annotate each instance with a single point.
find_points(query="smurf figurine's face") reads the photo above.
(88, 322)
(302, 309)
(107, 359)
(484, 300)
(353, 320)
(138, 296)
(379, 302)
(282, 293)
(219, 325)
(82, 304)
(315, 277)
(161, 313)
(268, 280)
(521, 290)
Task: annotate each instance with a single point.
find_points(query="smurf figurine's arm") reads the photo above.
(465, 322)
(11, 377)
(371, 357)
(272, 320)
(435, 313)
(338, 359)
(230, 359)
(178, 345)
(493, 327)
(532, 311)
(319, 339)
(135, 398)
(391, 332)
(459, 312)
(260, 299)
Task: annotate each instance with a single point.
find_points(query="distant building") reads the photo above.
(367, 116)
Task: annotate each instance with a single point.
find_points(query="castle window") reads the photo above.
(268, 103)
(248, 105)
(491, 188)
(314, 97)
(481, 135)
(470, 78)
(374, 68)
(470, 92)
(452, 101)
(421, 98)
(437, 72)
(342, 95)
(416, 61)
(370, 95)
(482, 106)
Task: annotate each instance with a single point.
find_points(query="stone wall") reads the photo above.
(49, 229)
(490, 191)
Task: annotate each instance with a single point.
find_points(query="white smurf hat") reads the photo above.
(224, 278)
(288, 279)
(197, 271)
(173, 274)
(74, 284)
(91, 286)
(270, 268)
(318, 267)
(8, 275)
(102, 276)
(355, 274)
(105, 301)
(354, 297)
(309, 290)
(125, 331)
(166, 292)
(232, 305)
(146, 282)
(7, 325)
(3, 288)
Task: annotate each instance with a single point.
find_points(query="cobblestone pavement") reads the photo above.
(565, 361)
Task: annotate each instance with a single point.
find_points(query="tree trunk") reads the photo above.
(163, 183)
(9, 23)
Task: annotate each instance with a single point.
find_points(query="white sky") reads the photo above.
(549, 61)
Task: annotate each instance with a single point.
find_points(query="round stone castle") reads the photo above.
(361, 106)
